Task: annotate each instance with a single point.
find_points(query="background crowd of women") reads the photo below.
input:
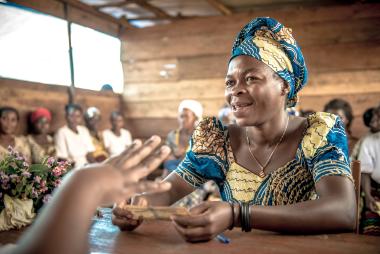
(74, 142)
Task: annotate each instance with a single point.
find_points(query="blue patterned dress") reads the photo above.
(322, 152)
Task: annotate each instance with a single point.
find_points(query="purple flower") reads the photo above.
(25, 164)
(4, 178)
(46, 198)
(5, 186)
(57, 183)
(50, 161)
(20, 158)
(57, 171)
(26, 174)
(12, 151)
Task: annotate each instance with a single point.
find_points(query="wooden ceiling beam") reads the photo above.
(155, 10)
(94, 11)
(222, 8)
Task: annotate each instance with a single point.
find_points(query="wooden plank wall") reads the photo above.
(341, 45)
(27, 96)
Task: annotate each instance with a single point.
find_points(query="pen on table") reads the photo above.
(223, 239)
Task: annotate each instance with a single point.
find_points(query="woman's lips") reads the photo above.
(240, 106)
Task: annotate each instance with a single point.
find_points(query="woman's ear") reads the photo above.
(285, 88)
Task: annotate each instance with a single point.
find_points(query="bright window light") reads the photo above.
(96, 59)
(33, 46)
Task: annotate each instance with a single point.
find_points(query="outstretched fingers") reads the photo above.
(148, 165)
(118, 160)
(138, 155)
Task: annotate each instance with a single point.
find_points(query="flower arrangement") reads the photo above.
(21, 181)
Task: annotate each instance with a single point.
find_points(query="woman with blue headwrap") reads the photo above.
(274, 171)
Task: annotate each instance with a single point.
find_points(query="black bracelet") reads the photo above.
(245, 217)
(233, 216)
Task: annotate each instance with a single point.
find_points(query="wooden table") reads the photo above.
(160, 237)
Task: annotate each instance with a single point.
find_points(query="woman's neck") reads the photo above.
(6, 137)
(73, 128)
(270, 132)
(116, 131)
(94, 133)
(187, 131)
(7, 140)
(41, 138)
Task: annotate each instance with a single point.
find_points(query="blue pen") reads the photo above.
(223, 239)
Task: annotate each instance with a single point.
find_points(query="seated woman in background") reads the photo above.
(369, 157)
(41, 143)
(117, 138)
(9, 119)
(92, 118)
(63, 225)
(370, 121)
(274, 171)
(189, 113)
(343, 109)
(73, 141)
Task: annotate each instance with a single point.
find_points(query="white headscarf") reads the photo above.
(193, 105)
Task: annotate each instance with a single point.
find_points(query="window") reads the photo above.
(96, 59)
(34, 47)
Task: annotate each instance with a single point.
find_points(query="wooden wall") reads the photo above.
(341, 46)
(27, 96)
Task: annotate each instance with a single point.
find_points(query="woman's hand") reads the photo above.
(205, 221)
(122, 177)
(135, 163)
(128, 170)
(124, 218)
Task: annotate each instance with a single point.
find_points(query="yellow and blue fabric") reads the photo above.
(322, 152)
(270, 42)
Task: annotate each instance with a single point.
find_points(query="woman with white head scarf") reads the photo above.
(189, 114)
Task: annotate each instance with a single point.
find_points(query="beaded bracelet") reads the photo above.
(245, 217)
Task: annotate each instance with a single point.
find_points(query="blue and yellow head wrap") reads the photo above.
(270, 42)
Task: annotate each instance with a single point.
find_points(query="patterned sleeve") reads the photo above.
(207, 157)
(326, 147)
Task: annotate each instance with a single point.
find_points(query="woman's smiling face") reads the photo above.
(253, 90)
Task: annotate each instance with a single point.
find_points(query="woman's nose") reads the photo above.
(238, 89)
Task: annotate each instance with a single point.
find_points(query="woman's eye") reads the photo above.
(251, 78)
(229, 83)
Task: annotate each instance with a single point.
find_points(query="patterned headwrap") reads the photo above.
(270, 42)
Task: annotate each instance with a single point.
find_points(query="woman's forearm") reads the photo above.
(366, 184)
(63, 225)
(333, 211)
(317, 216)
